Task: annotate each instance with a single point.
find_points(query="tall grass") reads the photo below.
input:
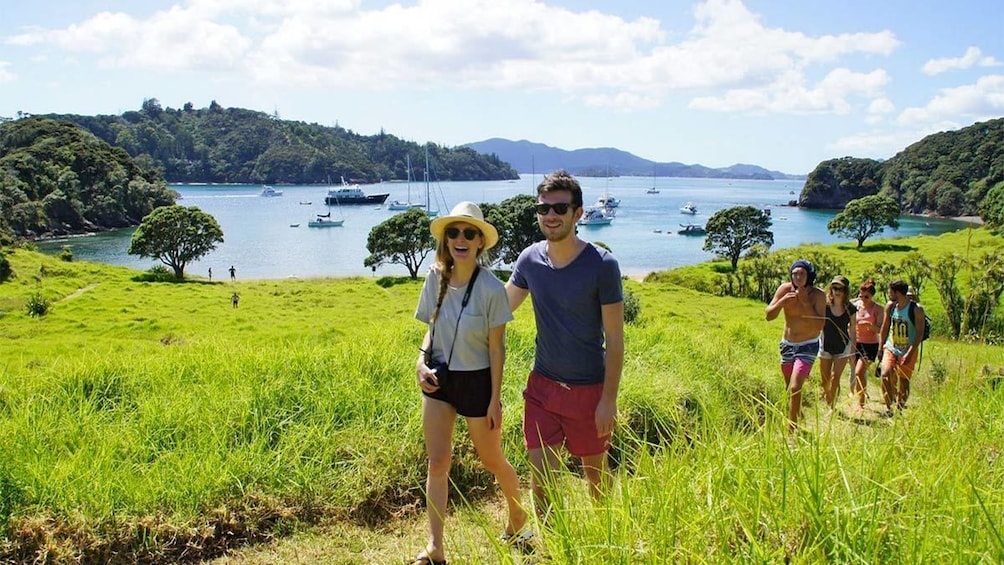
(153, 422)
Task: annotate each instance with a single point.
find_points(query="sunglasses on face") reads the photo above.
(469, 233)
(561, 208)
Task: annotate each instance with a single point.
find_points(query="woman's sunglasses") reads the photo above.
(561, 208)
(469, 233)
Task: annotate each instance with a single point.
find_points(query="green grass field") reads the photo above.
(153, 422)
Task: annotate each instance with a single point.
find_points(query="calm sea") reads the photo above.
(261, 243)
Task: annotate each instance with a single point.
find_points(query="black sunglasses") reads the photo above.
(561, 208)
(469, 233)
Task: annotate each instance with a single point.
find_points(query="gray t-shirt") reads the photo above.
(567, 308)
(488, 308)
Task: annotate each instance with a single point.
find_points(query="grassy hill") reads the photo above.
(153, 422)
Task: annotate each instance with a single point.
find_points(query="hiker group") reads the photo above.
(842, 331)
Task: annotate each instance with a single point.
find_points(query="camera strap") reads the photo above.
(463, 304)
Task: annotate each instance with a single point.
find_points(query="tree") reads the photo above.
(992, 208)
(516, 222)
(176, 235)
(404, 239)
(734, 230)
(865, 217)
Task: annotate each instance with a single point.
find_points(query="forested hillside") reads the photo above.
(57, 178)
(947, 173)
(235, 145)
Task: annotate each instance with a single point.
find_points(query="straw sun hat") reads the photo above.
(470, 213)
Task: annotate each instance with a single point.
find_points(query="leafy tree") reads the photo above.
(177, 236)
(734, 230)
(865, 217)
(992, 208)
(403, 239)
(516, 222)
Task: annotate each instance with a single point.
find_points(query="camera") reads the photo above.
(442, 370)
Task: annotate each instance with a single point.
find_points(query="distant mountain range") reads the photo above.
(529, 157)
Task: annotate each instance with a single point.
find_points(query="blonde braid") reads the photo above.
(445, 272)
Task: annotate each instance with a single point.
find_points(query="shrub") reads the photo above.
(5, 269)
(156, 273)
(632, 306)
(38, 305)
(65, 254)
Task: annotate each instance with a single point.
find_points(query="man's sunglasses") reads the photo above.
(561, 208)
(469, 233)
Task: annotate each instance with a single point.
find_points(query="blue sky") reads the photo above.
(783, 84)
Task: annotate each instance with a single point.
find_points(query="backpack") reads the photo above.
(927, 321)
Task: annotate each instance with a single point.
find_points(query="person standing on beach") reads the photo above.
(210, 274)
(460, 368)
(804, 308)
(868, 324)
(233, 273)
(837, 342)
(570, 398)
(900, 337)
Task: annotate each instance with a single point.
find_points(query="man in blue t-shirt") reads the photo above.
(571, 394)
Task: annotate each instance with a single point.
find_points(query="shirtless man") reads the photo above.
(804, 309)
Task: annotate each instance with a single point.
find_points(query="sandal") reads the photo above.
(424, 559)
(521, 537)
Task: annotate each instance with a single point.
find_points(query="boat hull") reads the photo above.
(348, 200)
(326, 224)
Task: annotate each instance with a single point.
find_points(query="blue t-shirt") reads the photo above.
(566, 307)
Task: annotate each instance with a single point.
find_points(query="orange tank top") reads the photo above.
(865, 334)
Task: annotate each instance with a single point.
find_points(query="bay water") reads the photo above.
(268, 237)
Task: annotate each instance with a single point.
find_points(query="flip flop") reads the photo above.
(424, 559)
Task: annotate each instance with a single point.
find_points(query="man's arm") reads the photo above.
(777, 303)
(613, 334)
(515, 294)
(886, 320)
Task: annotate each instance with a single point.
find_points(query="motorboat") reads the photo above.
(267, 190)
(305, 202)
(652, 190)
(596, 216)
(352, 194)
(607, 201)
(294, 225)
(688, 208)
(691, 229)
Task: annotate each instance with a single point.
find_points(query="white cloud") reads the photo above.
(878, 109)
(596, 58)
(960, 105)
(789, 94)
(175, 39)
(6, 75)
(973, 57)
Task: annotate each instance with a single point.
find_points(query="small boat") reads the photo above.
(400, 205)
(766, 211)
(688, 208)
(294, 225)
(267, 190)
(691, 229)
(352, 194)
(325, 221)
(596, 216)
(652, 190)
(657, 230)
(306, 202)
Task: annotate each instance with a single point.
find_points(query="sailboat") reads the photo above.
(325, 221)
(428, 205)
(407, 204)
(653, 190)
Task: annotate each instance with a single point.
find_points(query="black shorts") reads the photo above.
(469, 392)
(867, 351)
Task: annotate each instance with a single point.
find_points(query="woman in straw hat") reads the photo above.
(837, 348)
(460, 368)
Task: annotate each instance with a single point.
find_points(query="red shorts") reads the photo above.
(556, 413)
